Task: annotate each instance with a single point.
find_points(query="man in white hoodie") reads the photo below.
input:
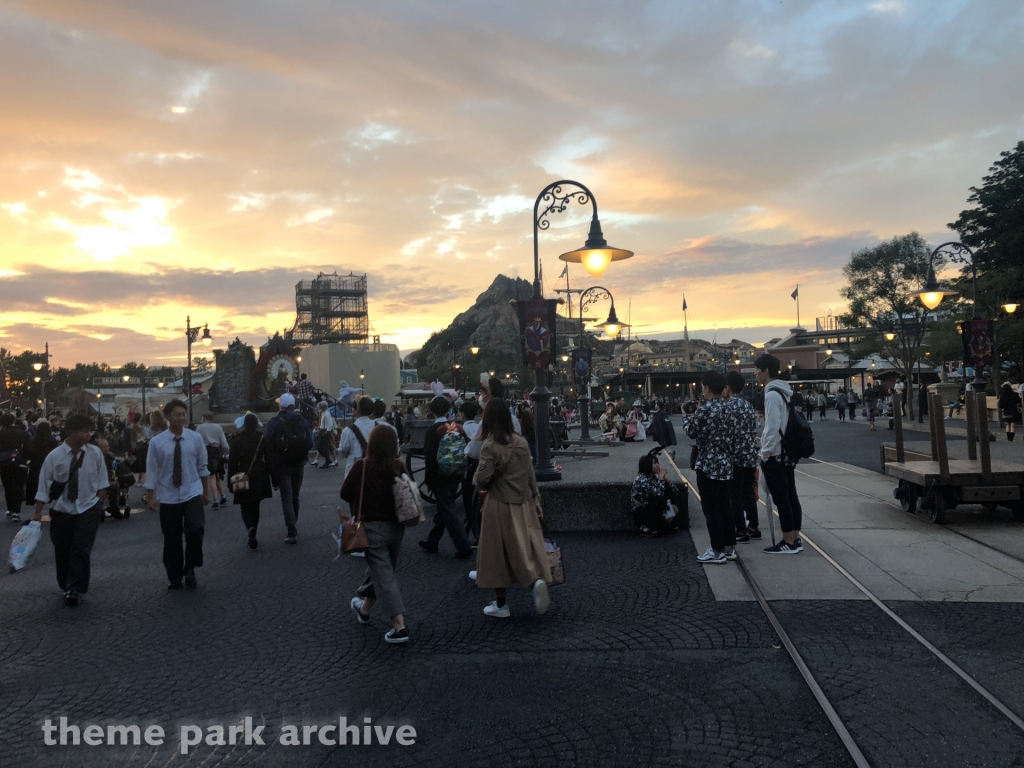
(779, 470)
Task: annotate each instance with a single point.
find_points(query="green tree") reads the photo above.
(879, 283)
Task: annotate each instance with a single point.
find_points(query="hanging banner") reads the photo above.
(581, 360)
(537, 329)
(977, 341)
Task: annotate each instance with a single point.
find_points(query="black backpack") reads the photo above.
(289, 441)
(798, 439)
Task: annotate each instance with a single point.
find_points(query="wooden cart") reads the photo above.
(934, 484)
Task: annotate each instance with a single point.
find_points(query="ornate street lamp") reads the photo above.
(595, 255)
(612, 326)
(191, 335)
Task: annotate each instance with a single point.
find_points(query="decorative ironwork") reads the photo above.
(557, 202)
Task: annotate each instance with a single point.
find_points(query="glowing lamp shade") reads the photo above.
(931, 295)
(160, 384)
(889, 336)
(39, 366)
(1010, 307)
(612, 326)
(207, 338)
(475, 350)
(596, 254)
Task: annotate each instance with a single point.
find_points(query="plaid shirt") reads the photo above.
(304, 389)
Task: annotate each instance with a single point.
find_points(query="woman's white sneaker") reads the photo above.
(499, 613)
(541, 601)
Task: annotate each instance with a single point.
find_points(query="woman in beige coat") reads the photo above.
(511, 540)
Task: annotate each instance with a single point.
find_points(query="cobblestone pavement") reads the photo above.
(635, 663)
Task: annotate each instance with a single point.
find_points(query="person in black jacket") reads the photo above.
(248, 453)
(444, 487)
(13, 442)
(661, 429)
(37, 449)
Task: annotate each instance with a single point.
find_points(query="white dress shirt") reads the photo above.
(160, 467)
(92, 478)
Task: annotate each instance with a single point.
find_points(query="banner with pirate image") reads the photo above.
(537, 329)
(977, 336)
(581, 361)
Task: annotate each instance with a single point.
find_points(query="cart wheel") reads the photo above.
(906, 493)
(935, 511)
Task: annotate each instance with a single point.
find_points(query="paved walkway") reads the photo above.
(645, 658)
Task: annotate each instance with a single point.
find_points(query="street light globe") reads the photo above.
(39, 366)
(37, 379)
(298, 358)
(99, 394)
(207, 338)
(475, 350)
(1010, 307)
(565, 358)
(160, 384)
(889, 335)
(932, 299)
(125, 378)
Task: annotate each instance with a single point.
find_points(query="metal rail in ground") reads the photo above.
(805, 672)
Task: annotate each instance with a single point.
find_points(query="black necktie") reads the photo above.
(176, 477)
(76, 462)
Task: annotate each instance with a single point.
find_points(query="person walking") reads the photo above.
(1010, 409)
(138, 444)
(13, 444)
(471, 419)
(779, 470)
(36, 451)
(871, 403)
(248, 454)
(217, 452)
(355, 437)
(178, 480)
(289, 441)
(822, 406)
(842, 402)
(326, 428)
(369, 490)
(511, 537)
(443, 485)
(853, 400)
(743, 491)
(74, 477)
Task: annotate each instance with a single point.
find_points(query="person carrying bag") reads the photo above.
(376, 528)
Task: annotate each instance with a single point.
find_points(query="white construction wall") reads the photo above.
(327, 365)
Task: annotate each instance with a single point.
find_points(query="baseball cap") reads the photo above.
(287, 400)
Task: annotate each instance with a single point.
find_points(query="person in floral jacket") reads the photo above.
(713, 427)
(746, 456)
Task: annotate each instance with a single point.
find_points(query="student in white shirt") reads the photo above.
(77, 506)
(177, 478)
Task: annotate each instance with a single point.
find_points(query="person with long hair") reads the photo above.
(37, 450)
(248, 453)
(529, 428)
(511, 538)
(1010, 409)
(370, 491)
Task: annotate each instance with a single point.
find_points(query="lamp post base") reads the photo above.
(542, 467)
(584, 409)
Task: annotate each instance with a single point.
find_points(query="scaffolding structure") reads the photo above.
(331, 309)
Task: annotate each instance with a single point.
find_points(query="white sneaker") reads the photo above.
(496, 612)
(472, 575)
(541, 601)
(712, 558)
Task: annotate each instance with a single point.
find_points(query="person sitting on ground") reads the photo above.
(650, 496)
(610, 421)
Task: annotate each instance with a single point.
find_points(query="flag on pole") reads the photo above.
(684, 303)
(564, 271)
(795, 293)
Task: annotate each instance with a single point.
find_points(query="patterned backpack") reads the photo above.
(451, 453)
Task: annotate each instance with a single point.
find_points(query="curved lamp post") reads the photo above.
(612, 326)
(595, 255)
(191, 335)
(932, 294)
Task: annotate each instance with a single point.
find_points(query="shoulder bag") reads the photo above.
(239, 481)
(353, 535)
(408, 508)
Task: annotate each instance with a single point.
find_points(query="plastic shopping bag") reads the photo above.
(24, 544)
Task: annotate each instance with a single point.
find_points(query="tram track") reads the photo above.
(850, 744)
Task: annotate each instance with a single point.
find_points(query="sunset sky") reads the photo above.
(159, 159)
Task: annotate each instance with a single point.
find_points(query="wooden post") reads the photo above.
(972, 419)
(981, 409)
(940, 443)
(934, 414)
(897, 413)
